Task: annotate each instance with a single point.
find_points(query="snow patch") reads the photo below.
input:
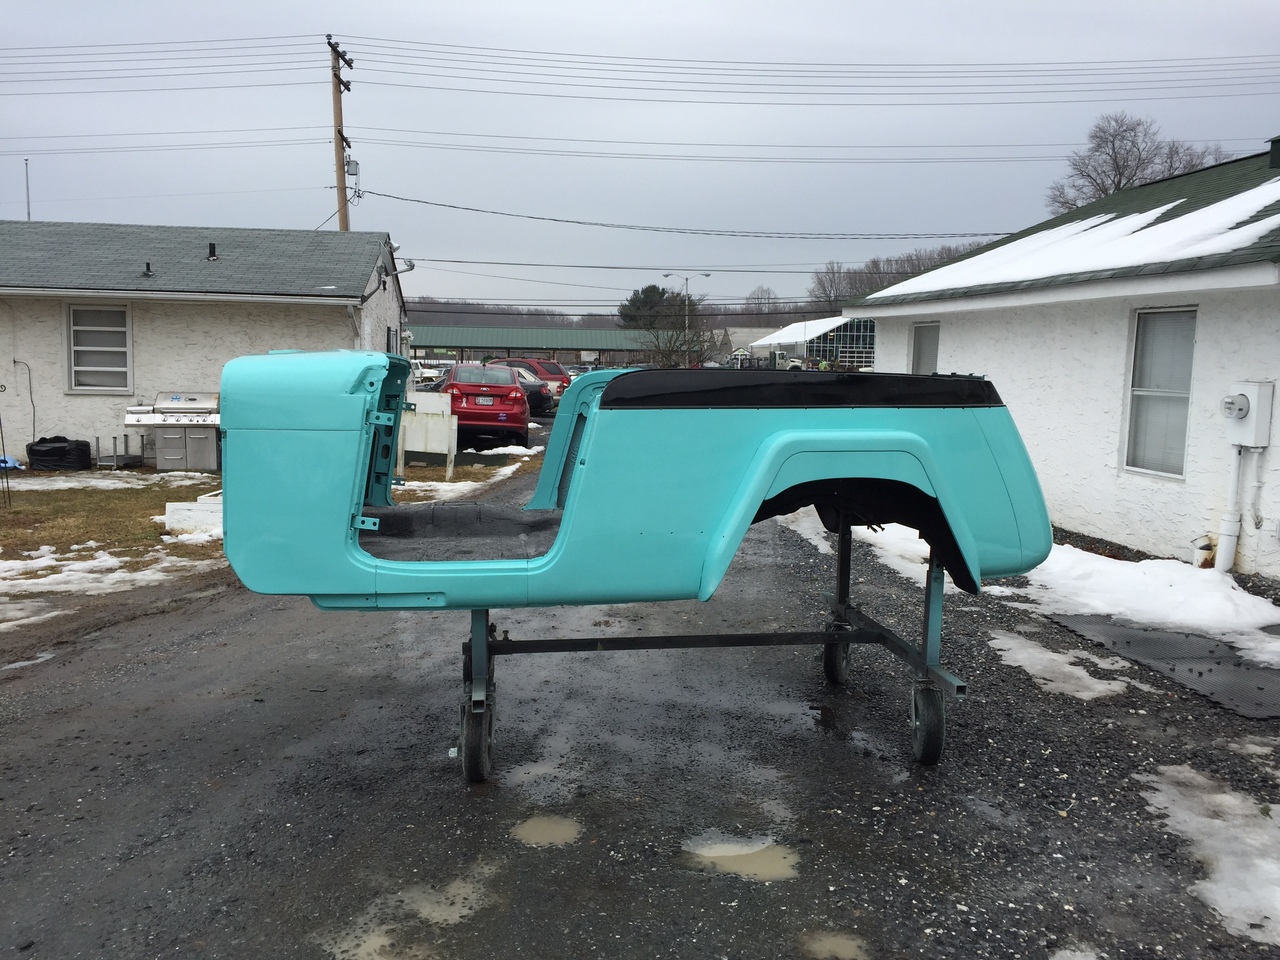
(1059, 672)
(1236, 840)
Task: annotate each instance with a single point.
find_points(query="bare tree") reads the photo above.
(762, 300)
(1125, 151)
(830, 288)
(835, 284)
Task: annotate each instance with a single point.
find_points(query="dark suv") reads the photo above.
(556, 376)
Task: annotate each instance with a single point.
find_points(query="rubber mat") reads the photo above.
(1200, 663)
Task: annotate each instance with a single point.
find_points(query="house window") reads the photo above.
(1161, 392)
(99, 349)
(924, 348)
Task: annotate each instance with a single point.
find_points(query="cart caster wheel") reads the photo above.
(928, 723)
(836, 662)
(476, 743)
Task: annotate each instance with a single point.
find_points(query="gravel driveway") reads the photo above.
(201, 771)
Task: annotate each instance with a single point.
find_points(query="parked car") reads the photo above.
(556, 376)
(423, 373)
(536, 392)
(487, 399)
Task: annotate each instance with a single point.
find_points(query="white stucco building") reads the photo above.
(95, 318)
(1114, 333)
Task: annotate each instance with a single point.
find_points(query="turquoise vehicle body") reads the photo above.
(653, 476)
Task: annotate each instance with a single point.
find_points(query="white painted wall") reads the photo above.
(380, 313)
(1063, 369)
(175, 346)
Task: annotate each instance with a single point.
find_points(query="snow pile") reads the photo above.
(1165, 594)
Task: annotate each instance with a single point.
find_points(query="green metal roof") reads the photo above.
(1186, 193)
(527, 338)
(112, 257)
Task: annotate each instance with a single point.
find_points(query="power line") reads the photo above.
(524, 145)
(698, 231)
(759, 268)
(500, 71)
(758, 64)
(725, 145)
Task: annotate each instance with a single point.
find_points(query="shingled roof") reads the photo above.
(1221, 216)
(112, 258)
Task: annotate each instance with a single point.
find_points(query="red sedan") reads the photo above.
(487, 399)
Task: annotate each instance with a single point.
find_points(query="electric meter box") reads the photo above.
(1253, 428)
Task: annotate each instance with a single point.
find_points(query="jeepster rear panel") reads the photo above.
(649, 482)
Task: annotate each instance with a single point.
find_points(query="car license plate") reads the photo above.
(484, 401)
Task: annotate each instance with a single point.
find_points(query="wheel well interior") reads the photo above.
(871, 501)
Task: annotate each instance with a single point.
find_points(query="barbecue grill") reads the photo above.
(186, 426)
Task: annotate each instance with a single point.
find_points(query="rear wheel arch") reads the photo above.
(876, 501)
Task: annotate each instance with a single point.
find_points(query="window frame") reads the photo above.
(1134, 393)
(71, 328)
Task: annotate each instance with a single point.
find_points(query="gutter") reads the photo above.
(179, 297)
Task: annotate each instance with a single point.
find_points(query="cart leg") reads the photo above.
(475, 740)
(836, 655)
(928, 706)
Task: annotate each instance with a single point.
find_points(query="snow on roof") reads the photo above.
(801, 331)
(1109, 242)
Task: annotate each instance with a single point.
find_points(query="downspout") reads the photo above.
(355, 327)
(1229, 529)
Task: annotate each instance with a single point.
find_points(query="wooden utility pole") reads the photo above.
(340, 143)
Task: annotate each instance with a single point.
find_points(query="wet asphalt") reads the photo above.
(207, 772)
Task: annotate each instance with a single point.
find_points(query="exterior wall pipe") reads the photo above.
(1259, 481)
(1229, 529)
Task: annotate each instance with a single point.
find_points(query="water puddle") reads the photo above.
(384, 930)
(835, 946)
(40, 658)
(754, 858)
(547, 831)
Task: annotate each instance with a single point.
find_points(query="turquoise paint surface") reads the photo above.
(657, 503)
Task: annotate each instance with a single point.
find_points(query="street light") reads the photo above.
(687, 352)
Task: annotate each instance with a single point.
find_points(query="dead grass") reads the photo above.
(419, 473)
(115, 520)
(424, 474)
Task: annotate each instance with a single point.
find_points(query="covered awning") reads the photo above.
(801, 331)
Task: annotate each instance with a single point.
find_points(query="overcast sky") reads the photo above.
(918, 122)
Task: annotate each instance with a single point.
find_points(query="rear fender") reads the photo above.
(790, 458)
